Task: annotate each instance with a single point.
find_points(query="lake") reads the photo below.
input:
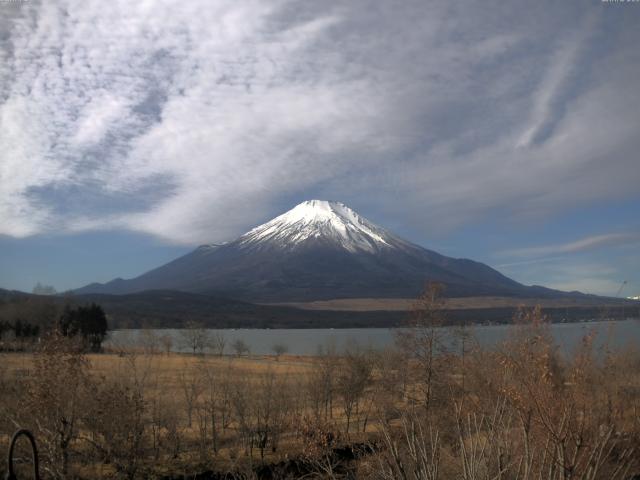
(617, 334)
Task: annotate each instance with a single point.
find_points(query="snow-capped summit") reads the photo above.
(318, 250)
(321, 221)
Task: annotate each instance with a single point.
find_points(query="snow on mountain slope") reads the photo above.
(318, 250)
(321, 220)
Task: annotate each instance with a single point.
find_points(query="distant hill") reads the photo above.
(167, 309)
(172, 309)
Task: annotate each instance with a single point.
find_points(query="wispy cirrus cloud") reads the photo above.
(192, 121)
(546, 99)
(583, 244)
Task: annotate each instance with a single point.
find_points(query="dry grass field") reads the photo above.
(172, 381)
(184, 396)
(460, 303)
(520, 411)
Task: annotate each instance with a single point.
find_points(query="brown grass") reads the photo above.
(461, 303)
(519, 409)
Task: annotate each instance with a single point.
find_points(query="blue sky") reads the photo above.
(503, 132)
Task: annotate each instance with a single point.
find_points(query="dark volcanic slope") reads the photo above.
(319, 250)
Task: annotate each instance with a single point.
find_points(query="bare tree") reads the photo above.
(421, 340)
(242, 398)
(56, 392)
(190, 384)
(121, 342)
(266, 411)
(174, 431)
(415, 455)
(261, 410)
(214, 408)
(392, 381)
(167, 343)
(322, 381)
(149, 341)
(225, 390)
(354, 376)
(156, 407)
(240, 347)
(116, 421)
(279, 349)
(195, 337)
(218, 343)
(316, 393)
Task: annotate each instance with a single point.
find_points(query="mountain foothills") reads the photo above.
(319, 250)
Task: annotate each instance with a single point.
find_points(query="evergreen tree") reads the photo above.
(88, 321)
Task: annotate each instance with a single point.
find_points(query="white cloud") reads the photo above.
(194, 120)
(562, 64)
(587, 243)
(101, 113)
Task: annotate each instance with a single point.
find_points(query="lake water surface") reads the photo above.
(614, 334)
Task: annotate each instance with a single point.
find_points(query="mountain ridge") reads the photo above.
(319, 250)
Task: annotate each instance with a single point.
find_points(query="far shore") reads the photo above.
(457, 303)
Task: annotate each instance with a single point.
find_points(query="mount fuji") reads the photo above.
(319, 250)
